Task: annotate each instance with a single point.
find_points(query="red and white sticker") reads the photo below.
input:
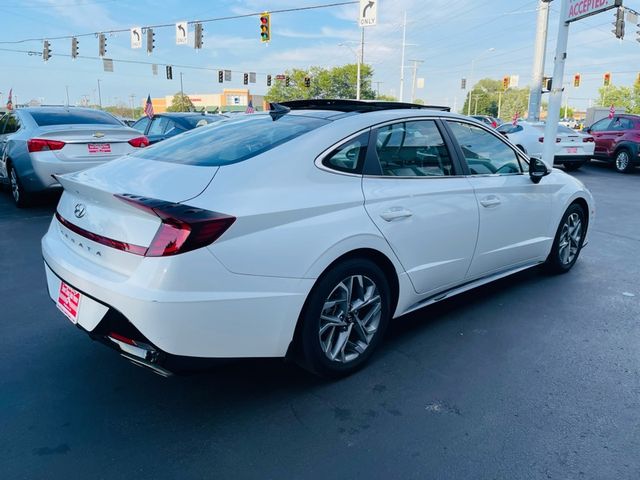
(99, 147)
(69, 302)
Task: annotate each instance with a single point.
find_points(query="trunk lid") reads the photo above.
(89, 142)
(89, 203)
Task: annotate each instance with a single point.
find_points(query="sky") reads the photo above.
(445, 35)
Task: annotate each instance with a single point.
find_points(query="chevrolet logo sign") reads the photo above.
(98, 135)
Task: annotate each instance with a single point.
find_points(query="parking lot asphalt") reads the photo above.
(533, 376)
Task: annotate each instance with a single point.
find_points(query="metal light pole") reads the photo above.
(181, 89)
(473, 63)
(66, 87)
(404, 43)
(535, 97)
(555, 96)
(99, 95)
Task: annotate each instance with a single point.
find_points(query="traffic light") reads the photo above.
(307, 82)
(46, 51)
(547, 83)
(151, 40)
(463, 84)
(74, 47)
(506, 81)
(576, 80)
(265, 27)
(220, 76)
(198, 36)
(268, 80)
(102, 45)
(169, 70)
(245, 79)
(618, 24)
(286, 81)
(606, 80)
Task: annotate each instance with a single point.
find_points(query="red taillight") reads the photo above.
(139, 142)
(588, 140)
(183, 228)
(42, 145)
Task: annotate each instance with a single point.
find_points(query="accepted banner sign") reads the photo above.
(583, 8)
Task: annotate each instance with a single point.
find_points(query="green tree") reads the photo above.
(124, 111)
(489, 98)
(336, 82)
(180, 103)
(621, 97)
(386, 98)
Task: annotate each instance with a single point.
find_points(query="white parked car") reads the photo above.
(573, 149)
(301, 232)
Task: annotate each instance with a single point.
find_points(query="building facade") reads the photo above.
(230, 100)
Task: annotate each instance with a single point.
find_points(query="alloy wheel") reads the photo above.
(350, 318)
(15, 187)
(570, 239)
(622, 161)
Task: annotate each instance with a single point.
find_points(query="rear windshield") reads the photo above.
(231, 140)
(73, 117)
(561, 129)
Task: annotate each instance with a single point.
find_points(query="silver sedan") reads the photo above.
(38, 143)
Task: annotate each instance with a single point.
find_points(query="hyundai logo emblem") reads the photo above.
(80, 210)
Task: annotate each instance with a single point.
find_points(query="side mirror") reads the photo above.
(587, 130)
(537, 169)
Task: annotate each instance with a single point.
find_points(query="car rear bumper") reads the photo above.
(562, 159)
(245, 316)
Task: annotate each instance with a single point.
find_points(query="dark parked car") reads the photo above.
(487, 120)
(618, 141)
(166, 125)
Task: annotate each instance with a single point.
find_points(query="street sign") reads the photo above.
(107, 64)
(368, 13)
(514, 81)
(136, 37)
(420, 83)
(182, 33)
(227, 75)
(579, 9)
(252, 77)
(280, 77)
(154, 69)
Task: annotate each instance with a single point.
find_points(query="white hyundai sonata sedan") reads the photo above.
(301, 232)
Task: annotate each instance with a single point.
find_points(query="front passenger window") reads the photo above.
(485, 153)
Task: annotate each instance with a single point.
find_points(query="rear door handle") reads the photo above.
(396, 214)
(490, 201)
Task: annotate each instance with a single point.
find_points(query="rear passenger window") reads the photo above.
(349, 157)
(413, 149)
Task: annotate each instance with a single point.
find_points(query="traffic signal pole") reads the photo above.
(555, 95)
(535, 97)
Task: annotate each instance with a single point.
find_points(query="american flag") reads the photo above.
(9, 100)
(612, 111)
(148, 107)
(250, 108)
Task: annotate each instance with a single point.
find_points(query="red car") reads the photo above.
(618, 141)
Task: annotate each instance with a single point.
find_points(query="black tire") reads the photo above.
(622, 161)
(557, 261)
(309, 350)
(21, 198)
(573, 166)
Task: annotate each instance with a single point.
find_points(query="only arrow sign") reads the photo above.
(368, 13)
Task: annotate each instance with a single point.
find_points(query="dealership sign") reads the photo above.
(579, 9)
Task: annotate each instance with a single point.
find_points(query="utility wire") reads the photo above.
(166, 25)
